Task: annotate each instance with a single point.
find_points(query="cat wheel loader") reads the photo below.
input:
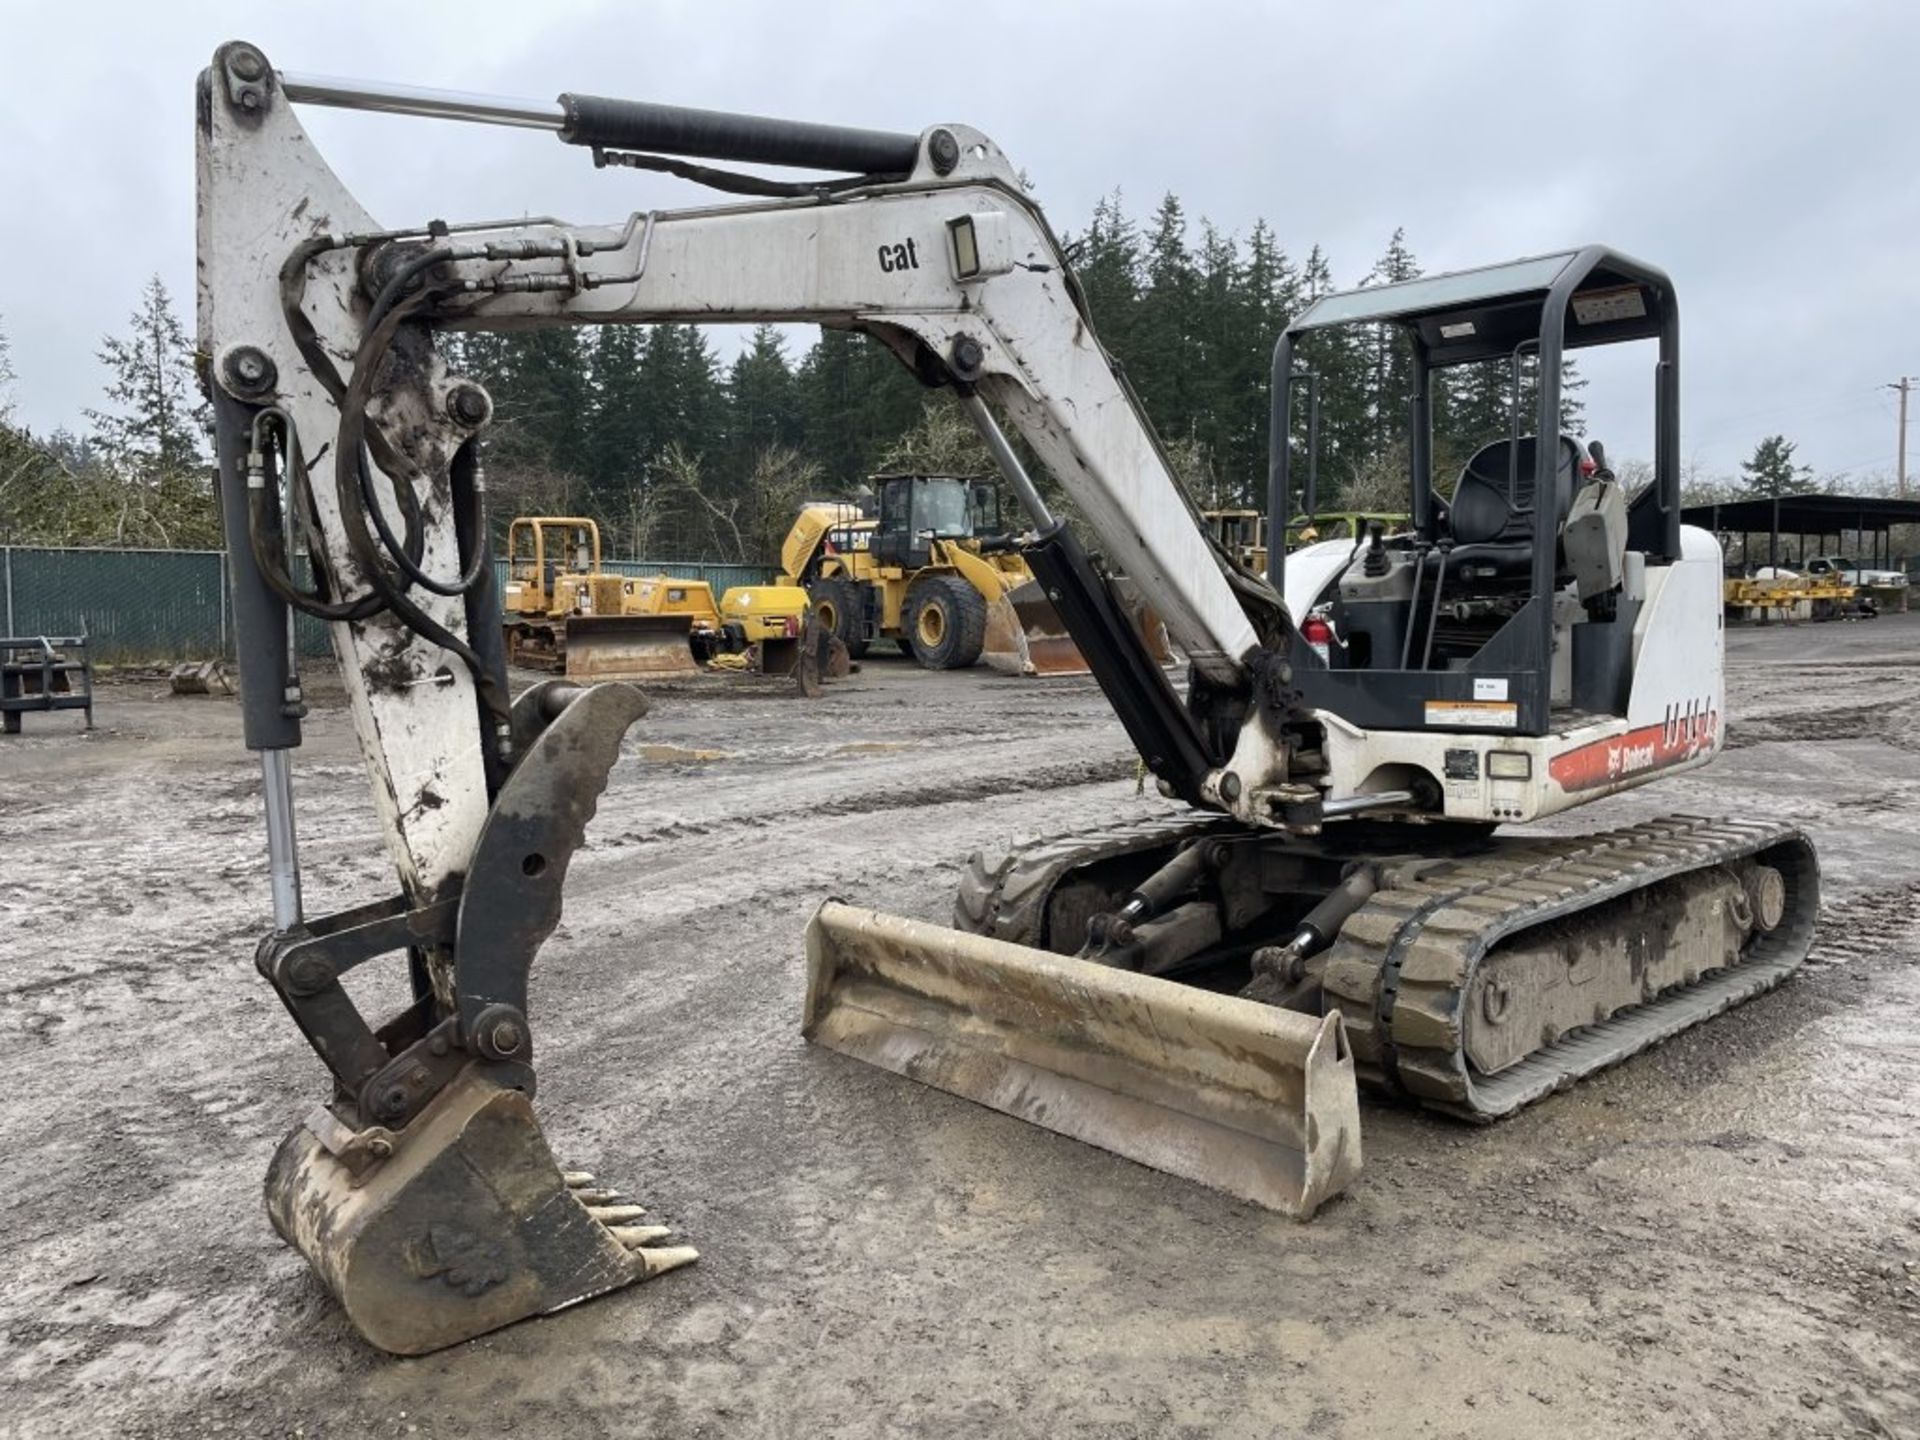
(937, 572)
(1328, 900)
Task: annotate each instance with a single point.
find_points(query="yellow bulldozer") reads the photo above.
(937, 572)
(565, 614)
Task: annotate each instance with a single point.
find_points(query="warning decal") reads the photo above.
(1474, 714)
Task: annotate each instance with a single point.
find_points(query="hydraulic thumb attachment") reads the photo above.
(1256, 1101)
(424, 1193)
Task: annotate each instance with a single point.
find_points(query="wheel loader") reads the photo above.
(938, 572)
(566, 615)
(1329, 899)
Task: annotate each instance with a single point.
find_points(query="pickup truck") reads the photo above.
(1848, 572)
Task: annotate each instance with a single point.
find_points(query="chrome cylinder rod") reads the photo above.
(1008, 462)
(418, 100)
(1358, 804)
(283, 859)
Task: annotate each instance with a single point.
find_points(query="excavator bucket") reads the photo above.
(1250, 1099)
(467, 1227)
(1026, 636)
(629, 647)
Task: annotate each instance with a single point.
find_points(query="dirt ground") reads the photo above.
(1720, 1238)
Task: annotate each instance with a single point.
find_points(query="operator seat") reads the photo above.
(1493, 536)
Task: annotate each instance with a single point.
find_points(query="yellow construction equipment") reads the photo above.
(1242, 533)
(938, 573)
(565, 614)
(1792, 597)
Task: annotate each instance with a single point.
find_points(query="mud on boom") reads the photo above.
(1326, 904)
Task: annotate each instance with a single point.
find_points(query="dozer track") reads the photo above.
(1406, 966)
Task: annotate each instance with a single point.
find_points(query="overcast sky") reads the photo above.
(1764, 153)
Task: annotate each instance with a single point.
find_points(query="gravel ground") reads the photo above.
(1720, 1238)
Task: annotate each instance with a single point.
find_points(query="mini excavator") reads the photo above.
(1329, 901)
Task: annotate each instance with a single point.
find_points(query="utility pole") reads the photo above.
(1904, 384)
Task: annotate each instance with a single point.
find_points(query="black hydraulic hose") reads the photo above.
(352, 445)
(293, 289)
(293, 286)
(347, 460)
(391, 296)
(370, 501)
(265, 537)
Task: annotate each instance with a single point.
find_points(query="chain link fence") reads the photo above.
(163, 606)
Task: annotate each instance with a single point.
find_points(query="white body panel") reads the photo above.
(1311, 569)
(1674, 714)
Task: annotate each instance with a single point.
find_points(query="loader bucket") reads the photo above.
(1026, 636)
(1247, 1098)
(468, 1226)
(629, 647)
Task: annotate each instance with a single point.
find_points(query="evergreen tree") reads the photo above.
(1160, 342)
(622, 438)
(1106, 261)
(555, 398)
(1390, 380)
(1771, 472)
(762, 405)
(1269, 298)
(153, 425)
(157, 489)
(1219, 341)
(856, 398)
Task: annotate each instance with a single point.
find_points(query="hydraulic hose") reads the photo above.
(348, 461)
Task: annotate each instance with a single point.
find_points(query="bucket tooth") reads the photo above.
(1249, 1099)
(468, 1226)
(590, 1196)
(616, 1214)
(635, 1236)
(671, 1257)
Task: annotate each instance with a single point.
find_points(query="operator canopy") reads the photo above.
(1490, 312)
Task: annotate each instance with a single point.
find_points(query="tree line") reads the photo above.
(680, 455)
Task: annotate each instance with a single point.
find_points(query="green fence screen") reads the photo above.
(166, 605)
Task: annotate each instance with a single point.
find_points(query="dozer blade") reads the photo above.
(1026, 636)
(1256, 1101)
(469, 1226)
(629, 647)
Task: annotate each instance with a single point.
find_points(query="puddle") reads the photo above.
(678, 754)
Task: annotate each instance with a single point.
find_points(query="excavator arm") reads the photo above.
(423, 1191)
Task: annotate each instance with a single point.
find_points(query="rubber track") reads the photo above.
(1403, 1022)
(1403, 962)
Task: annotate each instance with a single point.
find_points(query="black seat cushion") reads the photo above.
(1481, 512)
